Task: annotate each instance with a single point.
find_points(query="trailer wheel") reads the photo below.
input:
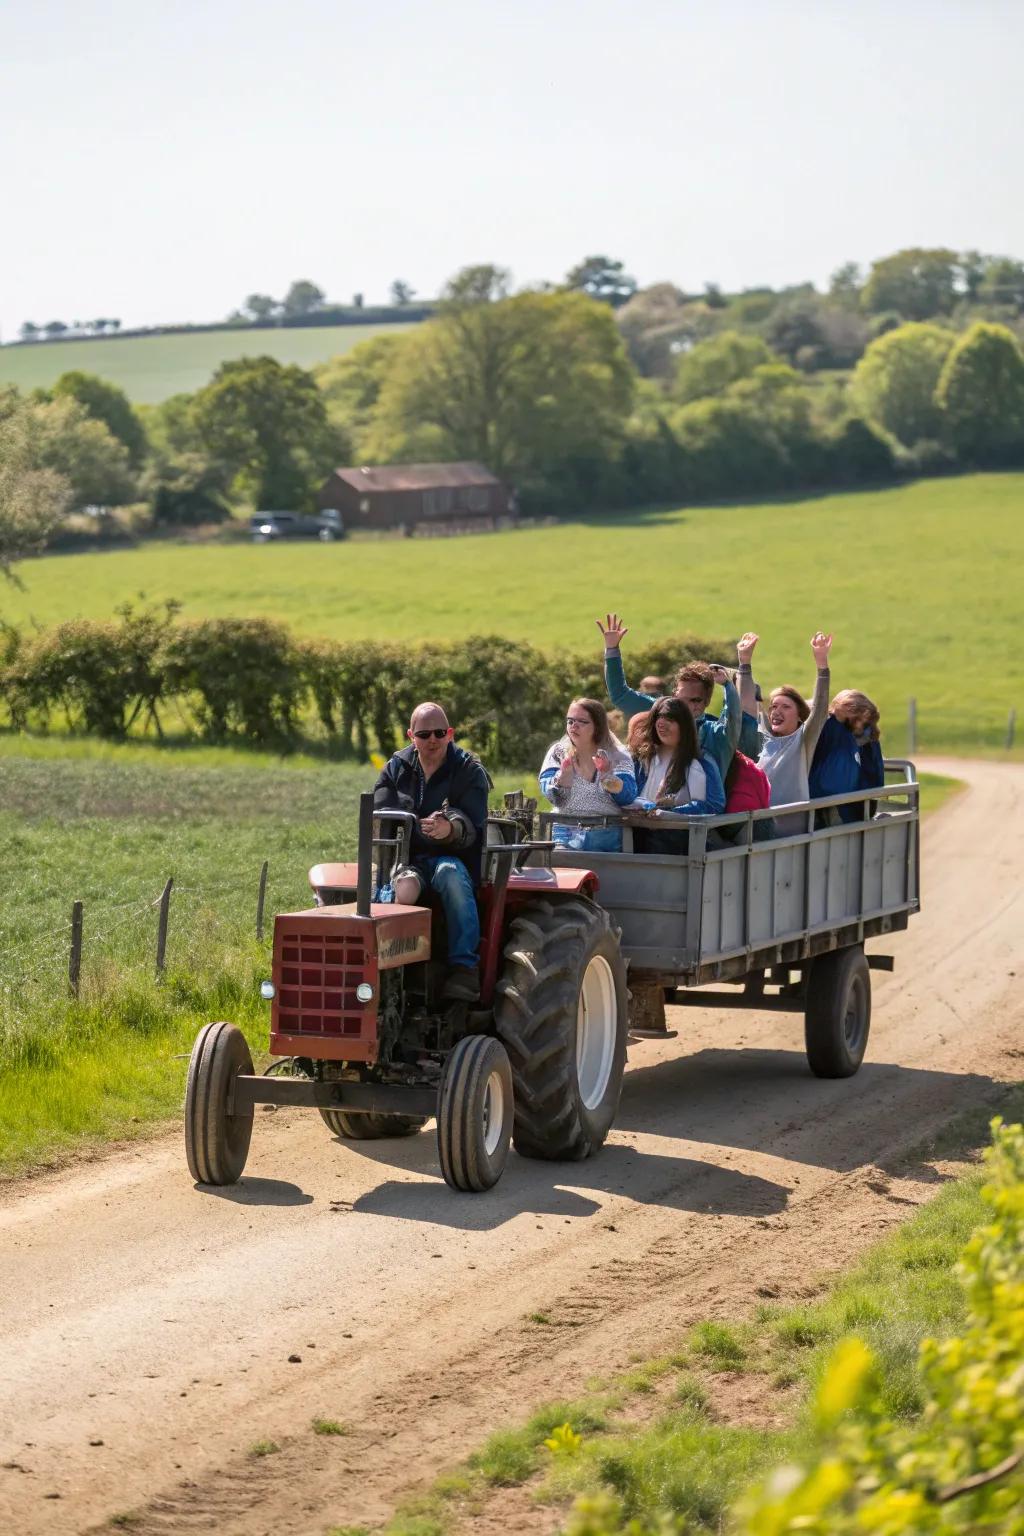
(474, 1113)
(216, 1143)
(370, 1127)
(561, 1008)
(837, 1016)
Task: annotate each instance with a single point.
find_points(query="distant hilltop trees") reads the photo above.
(57, 330)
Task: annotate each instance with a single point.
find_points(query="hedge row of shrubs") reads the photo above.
(252, 680)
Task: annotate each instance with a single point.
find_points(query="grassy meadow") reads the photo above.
(920, 584)
(150, 368)
(106, 826)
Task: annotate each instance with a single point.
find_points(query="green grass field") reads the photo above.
(150, 368)
(920, 584)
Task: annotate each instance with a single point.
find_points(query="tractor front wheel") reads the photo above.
(370, 1127)
(561, 1009)
(216, 1142)
(474, 1114)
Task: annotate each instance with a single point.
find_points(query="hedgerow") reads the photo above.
(251, 680)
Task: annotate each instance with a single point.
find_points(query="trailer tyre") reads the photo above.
(837, 1017)
(370, 1127)
(561, 1008)
(474, 1114)
(216, 1143)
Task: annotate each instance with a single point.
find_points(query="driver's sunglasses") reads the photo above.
(570, 720)
(439, 731)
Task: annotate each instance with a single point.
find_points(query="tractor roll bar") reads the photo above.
(368, 814)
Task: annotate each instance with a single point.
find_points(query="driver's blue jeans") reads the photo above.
(451, 880)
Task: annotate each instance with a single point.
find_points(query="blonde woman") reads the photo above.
(588, 772)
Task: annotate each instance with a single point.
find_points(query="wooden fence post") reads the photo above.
(911, 725)
(75, 960)
(261, 898)
(161, 932)
(1011, 726)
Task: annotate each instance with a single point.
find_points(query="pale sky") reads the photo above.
(162, 159)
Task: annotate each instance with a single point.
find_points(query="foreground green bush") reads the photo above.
(955, 1466)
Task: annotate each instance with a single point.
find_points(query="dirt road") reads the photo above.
(151, 1333)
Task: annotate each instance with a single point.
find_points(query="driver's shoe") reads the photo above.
(462, 984)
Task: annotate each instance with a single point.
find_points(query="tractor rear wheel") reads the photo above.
(216, 1142)
(837, 1016)
(474, 1114)
(370, 1127)
(561, 1010)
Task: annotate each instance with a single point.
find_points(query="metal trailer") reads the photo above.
(787, 916)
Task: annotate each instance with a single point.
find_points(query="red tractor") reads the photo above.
(356, 1009)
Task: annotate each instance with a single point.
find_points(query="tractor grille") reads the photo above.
(317, 992)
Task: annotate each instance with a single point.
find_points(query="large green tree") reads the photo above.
(351, 385)
(658, 323)
(107, 403)
(33, 496)
(711, 366)
(917, 283)
(980, 396)
(894, 382)
(530, 385)
(93, 462)
(303, 298)
(266, 423)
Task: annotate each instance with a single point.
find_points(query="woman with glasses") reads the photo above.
(588, 772)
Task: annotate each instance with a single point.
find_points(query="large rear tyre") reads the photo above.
(216, 1143)
(474, 1114)
(370, 1127)
(837, 1016)
(561, 1008)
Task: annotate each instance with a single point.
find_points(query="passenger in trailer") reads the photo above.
(588, 772)
(848, 756)
(674, 778)
(793, 728)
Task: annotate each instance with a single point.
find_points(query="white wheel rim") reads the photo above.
(596, 1031)
(494, 1113)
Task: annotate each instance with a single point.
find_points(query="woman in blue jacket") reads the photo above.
(674, 779)
(848, 755)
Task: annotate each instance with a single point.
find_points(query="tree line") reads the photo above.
(561, 392)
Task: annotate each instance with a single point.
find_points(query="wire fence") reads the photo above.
(150, 932)
(921, 728)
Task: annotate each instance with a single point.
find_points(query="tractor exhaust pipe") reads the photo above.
(364, 884)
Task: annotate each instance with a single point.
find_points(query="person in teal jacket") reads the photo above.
(719, 736)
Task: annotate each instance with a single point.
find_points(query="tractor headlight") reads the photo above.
(268, 990)
(364, 992)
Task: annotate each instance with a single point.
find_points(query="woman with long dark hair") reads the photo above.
(672, 776)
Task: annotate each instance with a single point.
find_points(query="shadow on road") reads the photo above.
(761, 1101)
(768, 1101)
(559, 1189)
(257, 1192)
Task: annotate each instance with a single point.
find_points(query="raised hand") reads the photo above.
(745, 647)
(602, 762)
(613, 630)
(821, 644)
(721, 675)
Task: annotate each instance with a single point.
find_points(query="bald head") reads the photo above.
(428, 716)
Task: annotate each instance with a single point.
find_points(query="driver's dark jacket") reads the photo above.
(461, 780)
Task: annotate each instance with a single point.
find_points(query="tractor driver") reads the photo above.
(446, 789)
